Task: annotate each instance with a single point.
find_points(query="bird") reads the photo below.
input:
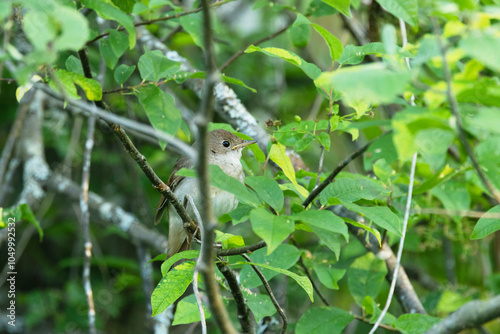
(224, 149)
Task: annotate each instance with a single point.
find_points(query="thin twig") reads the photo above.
(339, 168)
(86, 222)
(241, 250)
(456, 112)
(384, 326)
(269, 292)
(471, 315)
(247, 326)
(196, 271)
(401, 245)
(206, 259)
(308, 274)
(165, 18)
(260, 41)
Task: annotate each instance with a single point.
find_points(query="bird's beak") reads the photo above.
(245, 143)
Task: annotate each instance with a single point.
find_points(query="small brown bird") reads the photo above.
(225, 151)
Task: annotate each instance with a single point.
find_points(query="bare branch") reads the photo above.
(206, 259)
(339, 168)
(84, 207)
(244, 313)
(241, 250)
(405, 293)
(471, 315)
(269, 292)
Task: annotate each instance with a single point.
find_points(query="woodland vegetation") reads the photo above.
(370, 204)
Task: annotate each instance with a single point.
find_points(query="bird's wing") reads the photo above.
(172, 183)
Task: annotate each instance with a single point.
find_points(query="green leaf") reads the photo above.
(50, 27)
(68, 80)
(486, 226)
(382, 148)
(125, 5)
(326, 319)
(379, 215)
(160, 109)
(438, 178)
(303, 281)
(374, 83)
(303, 143)
(283, 257)
(352, 55)
(238, 82)
(328, 276)
(225, 182)
(272, 229)
(311, 70)
(260, 305)
(375, 232)
(109, 11)
(241, 213)
(365, 277)
(433, 143)
(187, 311)
(371, 308)
(340, 5)
(278, 154)
(113, 47)
(324, 140)
(334, 45)
(351, 190)
(407, 10)
(190, 254)
(268, 189)
(74, 65)
(5, 9)
(123, 72)
(326, 226)
(153, 66)
(454, 196)
(193, 25)
(172, 286)
(484, 48)
(20, 213)
(229, 240)
(415, 323)
(299, 32)
(323, 220)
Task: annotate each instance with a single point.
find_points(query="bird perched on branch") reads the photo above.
(224, 150)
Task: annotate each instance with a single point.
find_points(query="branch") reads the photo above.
(454, 108)
(165, 18)
(115, 122)
(337, 170)
(244, 312)
(269, 292)
(240, 250)
(206, 259)
(84, 207)
(405, 293)
(471, 315)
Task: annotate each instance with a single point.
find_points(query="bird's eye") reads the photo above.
(225, 143)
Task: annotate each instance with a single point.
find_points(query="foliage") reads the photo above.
(324, 93)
